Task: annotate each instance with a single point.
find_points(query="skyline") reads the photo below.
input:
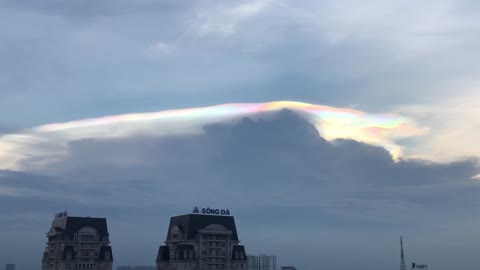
(281, 186)
(331, 127)
(196, 211)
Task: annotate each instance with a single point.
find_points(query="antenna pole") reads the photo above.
(402, 256)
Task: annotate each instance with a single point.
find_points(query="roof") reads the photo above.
(103, 250)
(163, 254)
(191, 223)
(238, 253)
(74, 224)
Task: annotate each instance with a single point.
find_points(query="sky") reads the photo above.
(328, 128)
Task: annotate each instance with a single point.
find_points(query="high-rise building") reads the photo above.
(137, 267)
(289, 267)
(10, 266)
(77, 243)
(205, 239)
(262, 262)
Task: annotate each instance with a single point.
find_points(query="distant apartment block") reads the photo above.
(137, 267)
(77, 243)
(205, 239)
(262, 262)
(10, 267)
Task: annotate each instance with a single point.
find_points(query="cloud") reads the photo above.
(6, 130)
(224, 19)
(454, 126)
(264, 168)
(37, 147)
(328, 52)
(160, 48)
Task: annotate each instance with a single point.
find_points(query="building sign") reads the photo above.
(419, 266)
(210, 211)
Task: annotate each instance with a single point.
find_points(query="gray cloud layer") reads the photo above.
(293, 193)
(123, 56)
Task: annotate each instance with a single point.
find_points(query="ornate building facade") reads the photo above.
(197, 241)
(77, 243)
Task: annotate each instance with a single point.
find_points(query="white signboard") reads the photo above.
(210, 211)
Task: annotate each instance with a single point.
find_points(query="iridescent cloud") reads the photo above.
(48, 143)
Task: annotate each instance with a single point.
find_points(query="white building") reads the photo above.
(262, 262)
(77, 243)
(202, 241)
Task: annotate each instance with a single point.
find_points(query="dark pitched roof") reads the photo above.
(74, 224)
(163, 254)
(191, 223)
(103, 250)
(238, 253)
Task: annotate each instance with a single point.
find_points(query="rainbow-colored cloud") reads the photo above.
(49, 142)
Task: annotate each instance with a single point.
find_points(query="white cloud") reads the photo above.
(224, 19)
(161, 48)
(37, 147)
(454, 123)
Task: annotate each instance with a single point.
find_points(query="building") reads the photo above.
(77, 243)
(288, 268)
(202, 241)
(10, 267)
(262, 262)
(137, 267)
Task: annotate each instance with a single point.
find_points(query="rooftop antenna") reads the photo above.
(402, 256)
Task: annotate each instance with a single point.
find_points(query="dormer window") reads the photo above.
(176, 233)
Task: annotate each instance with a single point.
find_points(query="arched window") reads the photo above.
(88, 233)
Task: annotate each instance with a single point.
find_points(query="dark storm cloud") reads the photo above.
(265, 170)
